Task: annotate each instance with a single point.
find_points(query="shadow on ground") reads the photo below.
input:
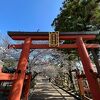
(45, 91)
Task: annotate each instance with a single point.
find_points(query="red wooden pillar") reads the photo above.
(26, 87)
(87, 65)
(17, 86)
(80, 83)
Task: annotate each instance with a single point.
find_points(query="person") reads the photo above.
(49, 79)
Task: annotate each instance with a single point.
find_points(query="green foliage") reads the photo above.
(8, 70)
(78, 15)
(9, 62)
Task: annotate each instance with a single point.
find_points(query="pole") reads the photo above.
(17, 86)
(26, 87)
(87, 65)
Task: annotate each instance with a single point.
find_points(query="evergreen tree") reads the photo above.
(78, 15)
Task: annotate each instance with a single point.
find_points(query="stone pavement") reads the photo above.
(47, 91)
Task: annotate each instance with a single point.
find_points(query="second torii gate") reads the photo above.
(79, 44)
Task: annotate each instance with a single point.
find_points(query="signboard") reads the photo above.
(53, 39)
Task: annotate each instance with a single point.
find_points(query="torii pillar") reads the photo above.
(17, 86)
(88, 67)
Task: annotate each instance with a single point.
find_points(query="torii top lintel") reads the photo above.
(45, 35)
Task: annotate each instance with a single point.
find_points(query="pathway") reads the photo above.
(47, 91)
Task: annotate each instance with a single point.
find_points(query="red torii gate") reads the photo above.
(79, 44)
